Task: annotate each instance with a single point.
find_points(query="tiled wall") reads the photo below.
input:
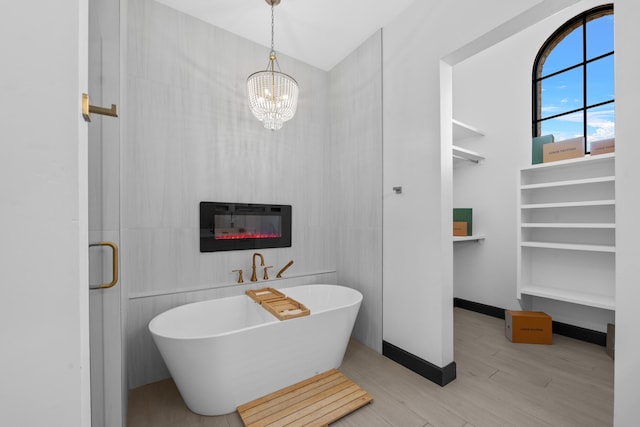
(356, 150)
(190, 137)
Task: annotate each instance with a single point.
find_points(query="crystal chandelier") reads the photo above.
(273, 95)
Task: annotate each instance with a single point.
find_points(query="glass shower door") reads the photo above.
(106, 344)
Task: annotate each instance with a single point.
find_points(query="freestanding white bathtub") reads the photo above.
(225, 352)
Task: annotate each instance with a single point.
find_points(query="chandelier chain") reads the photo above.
(272, 25)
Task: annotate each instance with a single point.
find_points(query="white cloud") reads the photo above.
(573, 117)
(600, 125)
(603, 124)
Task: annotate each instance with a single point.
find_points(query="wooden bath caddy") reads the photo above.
(278, 304)
(265, 294)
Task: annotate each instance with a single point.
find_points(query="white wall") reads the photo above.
(355, 184)
(418, 259)
(627, 372)
(190, 137)
(43, 182)
(492, 91)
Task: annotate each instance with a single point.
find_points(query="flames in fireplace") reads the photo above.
(237, 226)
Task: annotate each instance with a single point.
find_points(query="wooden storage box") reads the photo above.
(532, 327)
(460, 228)
(603, 146)
(463, 215)
(562, 150)
(536, 147)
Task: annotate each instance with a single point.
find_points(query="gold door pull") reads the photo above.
(87, 109)
(114, 264)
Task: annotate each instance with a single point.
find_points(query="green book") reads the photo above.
(536, 147)
(464, 215)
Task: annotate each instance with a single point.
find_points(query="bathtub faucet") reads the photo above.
(254, 278)
(289, 264)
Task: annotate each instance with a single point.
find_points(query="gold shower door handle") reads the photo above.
(87, 109)
(114, 249)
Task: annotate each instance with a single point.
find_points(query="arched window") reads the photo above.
(573, 80)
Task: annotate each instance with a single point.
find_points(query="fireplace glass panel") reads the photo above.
(237, 226)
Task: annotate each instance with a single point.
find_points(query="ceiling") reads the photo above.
(318, 32)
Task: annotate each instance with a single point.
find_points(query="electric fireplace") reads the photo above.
(237, 226)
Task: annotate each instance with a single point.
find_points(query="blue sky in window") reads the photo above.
(563, 92)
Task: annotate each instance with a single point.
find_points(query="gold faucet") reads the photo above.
(289, 264)
(265, 276)
(254, 278)
(240, 279)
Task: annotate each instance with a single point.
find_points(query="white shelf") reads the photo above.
(594, 225)
(592, 300)
(474, 238)
(569, 204)
(564, 252)
(463, 131)
(571, 162)
(464, 154)
(569, 246)
(568, 183)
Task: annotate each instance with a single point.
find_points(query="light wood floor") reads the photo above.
(569, 383)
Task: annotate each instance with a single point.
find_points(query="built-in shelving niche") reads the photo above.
(566, 231)
(462, 132)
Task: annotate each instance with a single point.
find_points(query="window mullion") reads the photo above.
(584, 81)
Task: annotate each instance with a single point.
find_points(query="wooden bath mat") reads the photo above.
(317, 401)
(278, 304)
